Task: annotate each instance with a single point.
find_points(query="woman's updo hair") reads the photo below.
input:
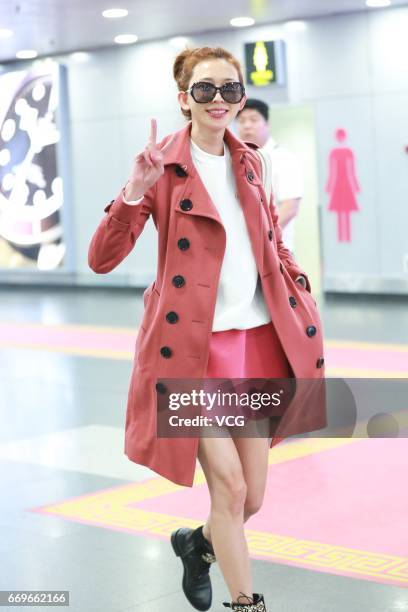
(186, 61)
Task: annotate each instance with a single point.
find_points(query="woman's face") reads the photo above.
(218, 113)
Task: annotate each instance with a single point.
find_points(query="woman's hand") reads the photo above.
(301, 280)
(148, 166)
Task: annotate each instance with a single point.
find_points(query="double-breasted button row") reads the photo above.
(310, 329)
(178, 280)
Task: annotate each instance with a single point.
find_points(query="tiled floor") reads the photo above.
(77, 515)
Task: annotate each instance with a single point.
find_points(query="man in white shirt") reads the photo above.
(287, 179)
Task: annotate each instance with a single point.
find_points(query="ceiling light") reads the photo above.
(5, 33)
(115, 13)
(378, 3)
(295, 26)
(26, 54)
(242, 22)
(125, 39)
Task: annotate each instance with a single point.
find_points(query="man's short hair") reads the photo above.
(259, 105)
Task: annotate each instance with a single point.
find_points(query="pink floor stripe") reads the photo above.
(66, 337)
(386, 360)
(76, 338)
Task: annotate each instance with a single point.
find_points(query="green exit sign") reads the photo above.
(265, 63)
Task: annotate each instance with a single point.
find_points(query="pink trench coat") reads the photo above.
(174, 334)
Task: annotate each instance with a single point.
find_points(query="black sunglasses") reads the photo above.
(203, 92)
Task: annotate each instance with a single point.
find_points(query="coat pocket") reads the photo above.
(147, 325)
(147, 293)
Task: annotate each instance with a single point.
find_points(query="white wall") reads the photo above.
(350, 68)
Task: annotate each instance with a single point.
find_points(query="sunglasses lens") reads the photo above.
(203, 92)
(232, 92)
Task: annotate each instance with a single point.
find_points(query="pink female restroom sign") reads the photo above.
(342, 186)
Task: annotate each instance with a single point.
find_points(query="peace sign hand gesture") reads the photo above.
(148, 166)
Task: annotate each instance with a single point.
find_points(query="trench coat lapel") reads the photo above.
(249, 194)
(248, 190)
(195, 190)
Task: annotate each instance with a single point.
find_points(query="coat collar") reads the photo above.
(180, 153)
(246, 167)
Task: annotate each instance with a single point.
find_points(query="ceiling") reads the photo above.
(60, 26)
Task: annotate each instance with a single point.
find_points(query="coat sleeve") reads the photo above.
(284, 253)
(118, 231)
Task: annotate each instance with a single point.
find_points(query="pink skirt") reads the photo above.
(248, 353)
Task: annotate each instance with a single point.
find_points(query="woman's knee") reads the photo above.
(229, 493)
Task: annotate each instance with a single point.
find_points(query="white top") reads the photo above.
(287, 182)
(240, 302)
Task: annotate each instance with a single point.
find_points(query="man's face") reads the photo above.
(252, 126)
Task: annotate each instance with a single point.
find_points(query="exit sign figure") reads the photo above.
(265, 63)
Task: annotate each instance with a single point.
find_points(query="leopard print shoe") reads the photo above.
(256, 605)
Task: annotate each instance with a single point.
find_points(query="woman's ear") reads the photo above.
(182, 98)
(242, 103)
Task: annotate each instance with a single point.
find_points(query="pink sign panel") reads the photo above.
(342, 186)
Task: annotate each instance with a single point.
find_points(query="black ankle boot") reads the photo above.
(196, 554)
(256, 605)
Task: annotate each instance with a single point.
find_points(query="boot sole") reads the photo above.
(176, 549)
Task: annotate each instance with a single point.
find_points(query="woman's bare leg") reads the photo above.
(235, 562)
(253, 453)
(221, 464)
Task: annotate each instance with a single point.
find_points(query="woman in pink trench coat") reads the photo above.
(176, 329)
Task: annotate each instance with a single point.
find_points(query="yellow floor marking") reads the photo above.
(111, 509)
